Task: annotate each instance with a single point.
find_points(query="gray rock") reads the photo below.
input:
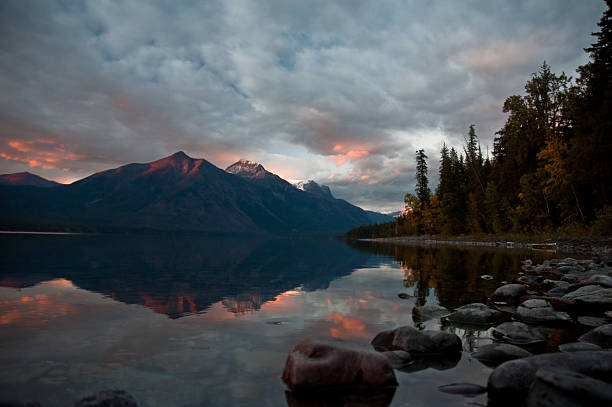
(486, 277)
(321, 365)
(464, 389)
(598, 279)
(593, 296)
(510, 382)
(517, 333)
(539, 311)
(108, 398)
(570, 269)
(600, 336)
(429, 311)
(495, 354)
(403, 296)
(475, 314)
(557, 292)
(417, 342)
(560, 387)
(578, 347)
(405, 362)
(509, 293)
(593, 322)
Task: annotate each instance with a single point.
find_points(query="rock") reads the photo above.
(509, 293)
(403, 296)
(527, 262)
(578, 347)
(108, 398)
(592, 322)
(509, 384)
(429, 311)
(495, 354)
(561, 387)
(598, 279)
(465, 389)
(475, 314)
(557, 292)
(417, 343)
(531, 280)
(486, 277)
(321, 365)
(405, 362)
(539, 311)
(517, 333)
(570, 269)
(600, 336)
(558, 303)
(592, 296)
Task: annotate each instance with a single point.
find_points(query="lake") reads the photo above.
(186, 320)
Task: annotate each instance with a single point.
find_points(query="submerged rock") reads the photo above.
(538, 311)
(517, 333)
(417, 342)
(464, 389)
(403, 296)
(561, 387)
(475, 314)
(353, 398)
(509, 384)
(600, 336)
(509, 293)
(495, 354)
(108, 398)
(320, 365)
(405, 362)
(429, 311)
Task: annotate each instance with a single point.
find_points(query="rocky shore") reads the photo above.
(552, 344)
(600, 247)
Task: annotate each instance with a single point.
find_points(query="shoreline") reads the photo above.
(583, 246)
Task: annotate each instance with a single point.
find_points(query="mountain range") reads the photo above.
(178, 193)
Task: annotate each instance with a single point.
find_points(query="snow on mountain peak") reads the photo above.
(247, 168)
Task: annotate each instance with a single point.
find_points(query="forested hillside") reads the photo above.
(550, 167)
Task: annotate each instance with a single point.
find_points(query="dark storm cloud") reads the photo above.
(347, 90)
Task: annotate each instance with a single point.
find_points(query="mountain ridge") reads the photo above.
(177, 193)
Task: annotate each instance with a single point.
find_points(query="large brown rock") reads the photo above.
(320, 365)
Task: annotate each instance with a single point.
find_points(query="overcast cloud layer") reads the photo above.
(342, 92)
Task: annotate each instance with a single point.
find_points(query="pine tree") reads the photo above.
(422, 189)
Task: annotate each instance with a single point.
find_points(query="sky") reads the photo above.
(340, 92)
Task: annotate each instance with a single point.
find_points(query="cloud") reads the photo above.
(343, 92)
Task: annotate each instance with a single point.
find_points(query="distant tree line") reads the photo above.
(551, 164)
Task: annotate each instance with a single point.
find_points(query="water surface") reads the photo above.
(208, 321)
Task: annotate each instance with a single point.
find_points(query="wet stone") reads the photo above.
(403, 296)
(592, 295)
(561, 387)
(464, 389)
(495, 354)
(509, 293)
(578, 347)
(600, 336)
(417, 343)
(538, 311)
(475, 314)
(429, 311)
(593, 322)
(517, 333)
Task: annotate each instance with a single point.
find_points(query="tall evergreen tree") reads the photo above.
(422, 183)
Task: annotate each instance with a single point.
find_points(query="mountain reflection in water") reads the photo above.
(178, 275)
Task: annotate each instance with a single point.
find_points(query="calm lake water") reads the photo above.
(208, 321)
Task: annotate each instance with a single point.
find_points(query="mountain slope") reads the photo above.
(26, 178)
(176, 193)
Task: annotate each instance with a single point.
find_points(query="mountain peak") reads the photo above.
(26, 178)
(246, 168)
(312, 187)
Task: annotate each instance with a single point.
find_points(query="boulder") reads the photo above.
(495, 354)
(475, 314)
(538, 311)
(405, 362)
(108, 398)
(509, 383)
(592, 296)
(517, 333)
(593, 322)
(598, 279)
(417, 343)
(321, 365)
(429, 311)
(600, 336)
(509, 293)
(578, 347)
(561, 387)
